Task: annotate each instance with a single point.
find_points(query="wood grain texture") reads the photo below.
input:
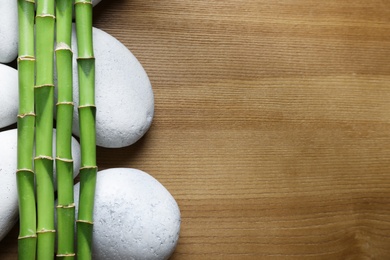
(272, 123)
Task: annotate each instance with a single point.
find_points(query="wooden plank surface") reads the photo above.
(271, 127)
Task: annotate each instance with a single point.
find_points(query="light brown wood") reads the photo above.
(272, 123)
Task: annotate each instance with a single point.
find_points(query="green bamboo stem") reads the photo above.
(44, 103)
(26, 120)
(64, 162)
(87, 112)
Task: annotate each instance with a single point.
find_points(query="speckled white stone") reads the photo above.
(124, 95)
(8, 188)
(135, 217)
(8, 30)
(8, 95)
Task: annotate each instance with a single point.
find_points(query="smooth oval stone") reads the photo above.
(124, 96)
(135, 217)
(8, 188)
(8, 31)
(8, 95)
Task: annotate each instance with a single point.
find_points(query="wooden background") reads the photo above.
(272, 123)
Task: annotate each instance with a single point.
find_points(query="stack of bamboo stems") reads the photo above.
(35, 125)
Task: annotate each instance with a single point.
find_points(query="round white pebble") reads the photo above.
(8, 31)
(124, 95)
(8, 94)
(135, 217)
(8, 188)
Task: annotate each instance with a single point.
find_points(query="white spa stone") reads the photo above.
(8, 30)
(135, 217)
(8, 188)
(8, 94)
(124, 95)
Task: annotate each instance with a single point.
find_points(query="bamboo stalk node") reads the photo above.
(24, 170)
(45, 16)
(62, 46)
(30, 1)
(29, 236)
(86, 58)
(26, 58)
(87, 106)
(42, 231)
(44, 85)
(65, 103)
(84, 221)
(64, 159)
(83, 2)
(88, 167)
(69, 206)
(43, 157)
(66, 255)
(26, 114)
